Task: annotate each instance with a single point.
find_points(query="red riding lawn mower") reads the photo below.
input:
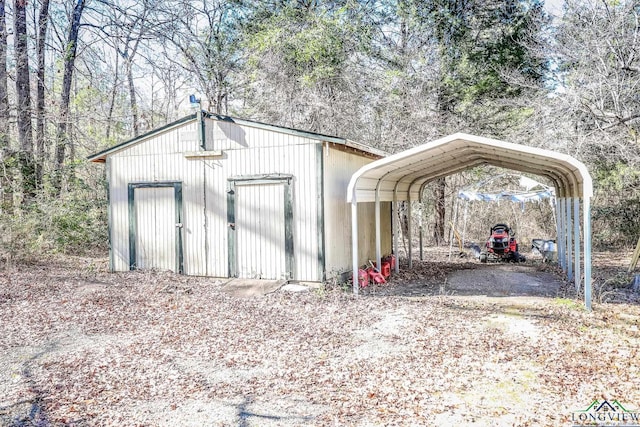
(501, 246)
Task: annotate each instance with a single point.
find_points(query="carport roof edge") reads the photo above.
(416, 165)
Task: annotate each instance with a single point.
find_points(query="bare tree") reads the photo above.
(5, 175)
(598, 45)
(43, 20)
(62, 137)
(206, 35)
(128, 26)
(4, 94)
(112, 97)
(23, 102)
(135, 27)
(598, 53)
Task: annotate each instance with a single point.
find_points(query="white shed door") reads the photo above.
(156, 228)
(260, 231)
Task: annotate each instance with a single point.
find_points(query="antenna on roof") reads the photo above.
(195, 105)
(195, 102)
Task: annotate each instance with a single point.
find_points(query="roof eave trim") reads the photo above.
(100, 157)
(275, 128)
(301, 133)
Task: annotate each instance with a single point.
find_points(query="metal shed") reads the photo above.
(402, 177)
(212, 195)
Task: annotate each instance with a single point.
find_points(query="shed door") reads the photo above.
(155, 236)
(260, 228)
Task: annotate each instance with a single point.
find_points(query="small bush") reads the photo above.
(74, 223)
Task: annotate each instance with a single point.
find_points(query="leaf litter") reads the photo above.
(80, 346)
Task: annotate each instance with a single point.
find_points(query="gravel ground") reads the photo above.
(79, 346)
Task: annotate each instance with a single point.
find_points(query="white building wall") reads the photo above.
(156, 159)
(339, 166)
(245, 151)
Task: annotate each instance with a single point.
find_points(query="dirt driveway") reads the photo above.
(79, 346)
(472, 278)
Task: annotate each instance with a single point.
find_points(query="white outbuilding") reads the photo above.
(212, 195)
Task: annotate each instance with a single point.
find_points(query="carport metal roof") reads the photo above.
(405, 172)
(402, 176)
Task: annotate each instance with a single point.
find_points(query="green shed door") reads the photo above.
(155, 230)
(260, 222)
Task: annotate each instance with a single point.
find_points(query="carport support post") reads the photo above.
(464, 226)
(568, 228)
(586, 207)
(396, 228)
(576, 241)
(452, 228)
(560, 242)
(556, 212)
(354, 242)
(563, 238)
(410, 227)
(378, 244)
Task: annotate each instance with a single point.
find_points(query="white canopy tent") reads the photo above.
(402, 177)
(528, 190)
(522, 190)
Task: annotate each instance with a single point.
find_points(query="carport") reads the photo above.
(403, 176)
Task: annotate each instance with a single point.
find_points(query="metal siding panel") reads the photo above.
(260, 231)
(143, 210)
(248, 151)
(217, 217)
(277, 239)
(109, 214)
(120, 216)
(175, 167)
(246, 233)
(320, 211)
(155, 239)
(188, 138)
(157, 166)
(305, 210)
(339, 167)
(117, 200)
(166, 227)
(286, 154)
(129, 174)
(194, 220)
(338, 170)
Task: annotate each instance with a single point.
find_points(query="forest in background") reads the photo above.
(77, 77)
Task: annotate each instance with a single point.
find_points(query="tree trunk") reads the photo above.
(112, 99)
(62, 137)
(132, 98)
(43, 22)
(4, 91)
(23, 102)
(6, 202)
(438, 231)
